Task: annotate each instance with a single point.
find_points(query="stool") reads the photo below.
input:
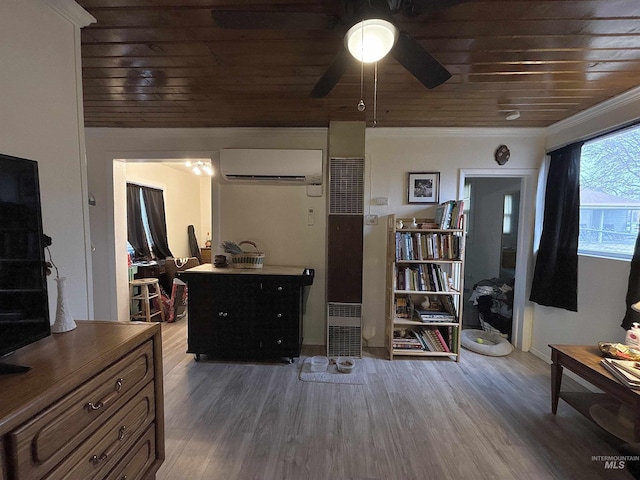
(149, 290)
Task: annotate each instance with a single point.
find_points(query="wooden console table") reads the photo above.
(584, 361)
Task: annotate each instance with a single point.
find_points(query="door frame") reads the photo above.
(522, 307)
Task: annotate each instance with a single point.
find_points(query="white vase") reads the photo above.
(64, 320)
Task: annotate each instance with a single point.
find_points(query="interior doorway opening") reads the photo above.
(491, 252)
(509, 237)
(187, 199)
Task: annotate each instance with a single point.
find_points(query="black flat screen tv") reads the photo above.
(24, 304)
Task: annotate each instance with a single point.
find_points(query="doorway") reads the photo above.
(511, 249)
(188, 201)
(491, 252)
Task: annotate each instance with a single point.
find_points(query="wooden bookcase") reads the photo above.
(424, 263)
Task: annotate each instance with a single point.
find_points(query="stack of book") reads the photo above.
(626, 371)
(428, 316)
(421, 338)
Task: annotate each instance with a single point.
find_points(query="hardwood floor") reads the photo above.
(482, 418)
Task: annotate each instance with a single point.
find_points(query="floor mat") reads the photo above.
(332, 375)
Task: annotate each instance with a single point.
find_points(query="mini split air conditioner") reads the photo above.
(271, 166)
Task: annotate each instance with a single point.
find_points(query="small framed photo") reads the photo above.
(424, 187)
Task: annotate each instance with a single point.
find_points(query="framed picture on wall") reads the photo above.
(423, 187)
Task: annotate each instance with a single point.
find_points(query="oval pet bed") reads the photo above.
(490, 343)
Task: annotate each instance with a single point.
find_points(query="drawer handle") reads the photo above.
(95, 459)
(98, 405)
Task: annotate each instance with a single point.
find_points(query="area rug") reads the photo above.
(332, 375)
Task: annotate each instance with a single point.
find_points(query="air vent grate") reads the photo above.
(346, 186)
(345, 310)
(344, 330)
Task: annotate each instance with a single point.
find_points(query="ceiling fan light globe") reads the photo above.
(371, 40)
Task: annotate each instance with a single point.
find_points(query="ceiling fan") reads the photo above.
(356, 13)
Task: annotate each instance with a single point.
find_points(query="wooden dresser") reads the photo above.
(91, 407)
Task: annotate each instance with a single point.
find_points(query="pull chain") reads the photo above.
(375, 94)
(361, 105)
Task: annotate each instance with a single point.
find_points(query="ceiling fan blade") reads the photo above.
(268, 20)
(332, 75)
(410, 54)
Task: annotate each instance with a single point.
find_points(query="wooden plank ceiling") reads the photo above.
(164, 63)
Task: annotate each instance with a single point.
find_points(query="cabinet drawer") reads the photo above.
(137, 461)
(108, 445)
(41, 443)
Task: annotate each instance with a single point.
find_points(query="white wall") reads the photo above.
(41, 120)
(392, 153)
(275, 217)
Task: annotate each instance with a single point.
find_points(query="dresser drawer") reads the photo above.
(44, 441)
(137, 461)
(102, 451)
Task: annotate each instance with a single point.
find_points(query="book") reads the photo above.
(628, 366)
(442, 341)
(433, 316)
(623, 376)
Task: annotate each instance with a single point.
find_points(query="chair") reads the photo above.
(178, 301)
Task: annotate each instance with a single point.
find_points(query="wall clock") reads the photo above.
(502, 154)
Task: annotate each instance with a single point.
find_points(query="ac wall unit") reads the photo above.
(344, 330)
(271, 166)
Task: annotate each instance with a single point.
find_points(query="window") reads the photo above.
(467, 207)
(146, 223)
(507, 214)
(610, 195)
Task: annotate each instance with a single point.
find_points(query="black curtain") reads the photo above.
(154, 201)
(633, 290)
(135, 228)
(555, 278)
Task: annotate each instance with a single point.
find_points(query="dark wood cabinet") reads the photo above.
(246, 313)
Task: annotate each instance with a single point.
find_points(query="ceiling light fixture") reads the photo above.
(199, 167)
(370, 40)
(512, 115)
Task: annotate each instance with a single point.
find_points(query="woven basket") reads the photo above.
(248, 259)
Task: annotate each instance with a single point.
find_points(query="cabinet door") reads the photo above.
(278, 318)
(220, 314)
(232, 332)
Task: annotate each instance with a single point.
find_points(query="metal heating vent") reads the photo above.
(346, 186)
(344, 330)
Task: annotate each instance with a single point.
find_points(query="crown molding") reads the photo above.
(454, 131)
(71, 11)
(213, 132)
(627, 98)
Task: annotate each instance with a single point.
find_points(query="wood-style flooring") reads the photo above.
(481, 418)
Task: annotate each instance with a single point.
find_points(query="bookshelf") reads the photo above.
(425, 275)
